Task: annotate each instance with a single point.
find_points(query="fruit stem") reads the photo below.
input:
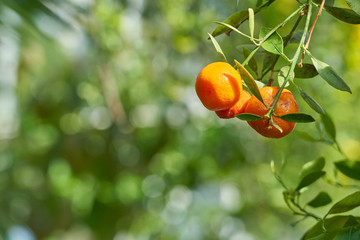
(295, 58)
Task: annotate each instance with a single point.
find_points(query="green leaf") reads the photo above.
(355, 5)
(252, 63)
(237, 19)
(349, 168)
(283, 74)
(309, 179)
(307, 71)
(248, 117)
(274, 43)
(311, 102)
(234, 20)
(346, 204)
(251, 22)
(249, 81)
(349, 233)
(307, 137)
(312, 166)
(329, 126)
(218, 48)
(343, 14)
(298, 118)
(296, 37)
(330, 76)
(332, 226)
(320, 200)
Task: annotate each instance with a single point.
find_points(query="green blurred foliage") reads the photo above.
(103, 136)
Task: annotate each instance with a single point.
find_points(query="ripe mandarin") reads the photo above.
(238, 108)
(286, 104)
(218, 86)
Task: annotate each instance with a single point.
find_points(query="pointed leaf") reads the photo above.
(311, 102)
(330, 76)
(238, 18)
(355, 5)
(274, 43)
(283, 74)
(248, 117)
(349, 168)
(346, 204)
(329, 126)
(312, 166)
(331, 225)
(251, 22)
(234, 20)
(320, 200)
(307, 71)
(218, 48)
(298, 118)
(252, 63)
(249, 81)
(343, 14)
(309, 179)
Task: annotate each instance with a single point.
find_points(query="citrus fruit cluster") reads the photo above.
(219, 88)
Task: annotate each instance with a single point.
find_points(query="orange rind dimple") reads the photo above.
(236, 109)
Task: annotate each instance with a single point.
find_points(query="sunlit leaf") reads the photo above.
(311, 102)
(320, 200)
(312, 166)
(346, 204)
(355, 5)
(309, 179)
(306, 71)
(298, 118)
(251, 22)
(349, 168)
(283, 74)
(332, 226)
(248, 117)
(249, 81)
(329, 126)
(343, 14)
(218, 48)
(330, 76)
(273, 43)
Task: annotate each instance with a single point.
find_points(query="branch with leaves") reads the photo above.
(271, 44)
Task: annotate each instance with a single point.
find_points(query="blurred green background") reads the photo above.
(103, 137)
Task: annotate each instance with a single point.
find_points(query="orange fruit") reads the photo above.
(218, 86)
(286, 104)
(238, 108)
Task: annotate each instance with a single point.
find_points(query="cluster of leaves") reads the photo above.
(261, 62)
(335, 227)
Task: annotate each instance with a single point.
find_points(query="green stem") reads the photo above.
(293, 64)
(280, 25)
(286, 41)
(305, 213)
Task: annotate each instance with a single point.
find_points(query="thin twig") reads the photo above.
(311, 31)
(112, 96)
